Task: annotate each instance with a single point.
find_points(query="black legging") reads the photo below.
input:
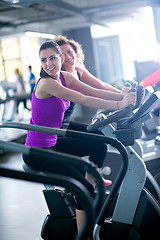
(78, 147)
(95, 151)
(96, 156)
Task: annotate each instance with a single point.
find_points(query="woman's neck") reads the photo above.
(56, 77)
(72, 70)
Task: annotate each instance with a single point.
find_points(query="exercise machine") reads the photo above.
(60, 204)
(151, 141)
(54, 179)
(151, 158)
(125, 220)
(129, 211)
(44, 154)
(136, 212)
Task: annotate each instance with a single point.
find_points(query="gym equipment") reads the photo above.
(151, 80)
(136, 213)
(132, 213)
(53, 179)
(48, 231)
(10, 101)
(151, 141)
(61, 205)
(152, 161)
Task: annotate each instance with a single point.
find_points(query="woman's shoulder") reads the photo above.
(80, 68)
(68, 77)
(66, 74)
(45, 83)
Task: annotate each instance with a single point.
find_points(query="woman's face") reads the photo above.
(51, 62)
(69, 55)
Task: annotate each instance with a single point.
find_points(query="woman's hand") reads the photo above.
(129, 99)
(125, 90)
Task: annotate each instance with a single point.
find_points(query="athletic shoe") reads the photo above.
(107, 182)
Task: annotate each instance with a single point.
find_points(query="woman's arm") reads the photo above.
(50, 87)
(88, 78)
(85, 89)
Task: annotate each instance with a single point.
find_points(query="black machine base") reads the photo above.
(60, 224)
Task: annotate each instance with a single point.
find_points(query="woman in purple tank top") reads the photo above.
(51, 98)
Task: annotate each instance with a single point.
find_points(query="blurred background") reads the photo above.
(120, 38)
(121, 42)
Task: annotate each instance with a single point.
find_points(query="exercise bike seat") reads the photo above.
(31, 170)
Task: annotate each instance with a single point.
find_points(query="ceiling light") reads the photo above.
(12, 1)
(39, 34)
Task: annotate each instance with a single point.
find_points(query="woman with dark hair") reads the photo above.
(51, 98)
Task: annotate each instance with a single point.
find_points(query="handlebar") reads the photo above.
(145, 108)
(61, 159)
(140, 96)
(103, 120)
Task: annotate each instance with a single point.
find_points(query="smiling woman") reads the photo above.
(51, 62)
(74, 64)
(51, 98)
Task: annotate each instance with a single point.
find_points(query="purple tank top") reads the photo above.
(47, 112)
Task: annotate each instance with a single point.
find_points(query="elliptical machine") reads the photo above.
(116, 218)
(129, 211)
(50, 179)
(136, 210)
(59, 199)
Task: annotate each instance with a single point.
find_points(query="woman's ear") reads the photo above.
(62, 58)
